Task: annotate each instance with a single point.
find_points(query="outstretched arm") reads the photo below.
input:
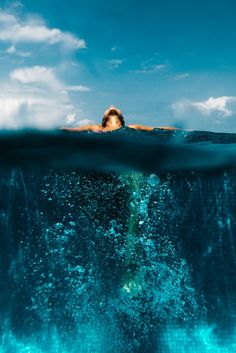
(141, 127)
(168, 128)
(149, 128)
(96, 128)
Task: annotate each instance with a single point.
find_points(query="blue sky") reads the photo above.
(162, 62)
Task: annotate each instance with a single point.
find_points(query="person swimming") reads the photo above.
(113, 120)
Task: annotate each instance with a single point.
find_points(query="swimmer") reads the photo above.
(113, 120)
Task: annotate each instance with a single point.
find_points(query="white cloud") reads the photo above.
(220, 106)
(36, 74)
(71, 118)
(35, 97)
(78, 88)
(158, 67)
(12, 50)
(7, 18)
(86, 122)
(113, 49)
(181, 76)
(33, 30)
(24, 109)
(115, 62)
(150, 68)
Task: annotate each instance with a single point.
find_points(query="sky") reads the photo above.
(162, 62)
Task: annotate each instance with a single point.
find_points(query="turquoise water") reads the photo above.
(126, 256)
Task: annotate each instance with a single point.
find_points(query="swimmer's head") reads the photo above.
(111, 112)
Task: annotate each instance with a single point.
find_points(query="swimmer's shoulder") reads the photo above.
(94, 128)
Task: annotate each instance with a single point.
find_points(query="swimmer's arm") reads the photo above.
(95, 128)
(141, 127)
(168, 128)
(149, 128)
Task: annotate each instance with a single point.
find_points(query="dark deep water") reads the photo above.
(122, 242)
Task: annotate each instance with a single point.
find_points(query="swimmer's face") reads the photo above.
(112, 110)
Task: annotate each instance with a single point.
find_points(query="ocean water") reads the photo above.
(119, 242)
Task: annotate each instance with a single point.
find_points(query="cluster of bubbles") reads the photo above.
(100, 268)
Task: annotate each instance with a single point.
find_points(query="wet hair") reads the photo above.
(106, 118)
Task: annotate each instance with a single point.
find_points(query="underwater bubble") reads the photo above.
(72, 224)
(220, 224)
(59, 225)
(153, 180)
(64, 239)
(113, 223)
